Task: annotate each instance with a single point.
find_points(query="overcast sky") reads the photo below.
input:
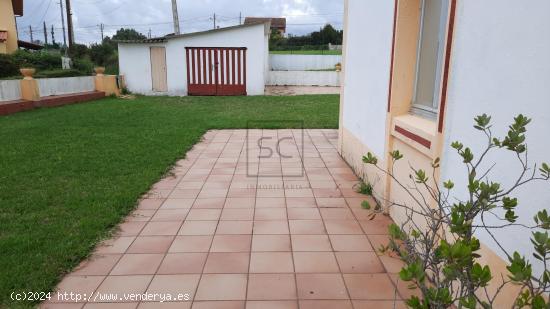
(303, 16)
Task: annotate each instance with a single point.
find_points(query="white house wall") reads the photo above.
(369, 42)
(135, 65)
(501, 66)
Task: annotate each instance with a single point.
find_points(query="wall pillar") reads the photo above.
(106, 83)
(29, 86)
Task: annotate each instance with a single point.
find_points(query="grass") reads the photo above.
(68, 175)
(306, 52)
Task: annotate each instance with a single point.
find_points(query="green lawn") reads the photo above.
(306, 52)
(70, 174)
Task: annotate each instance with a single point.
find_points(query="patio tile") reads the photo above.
(331, 202)
(137, 264)
(359, 262)
(306, 227)
(378, 226)
(271, 287)
(209, 203)
(240, 202)
(231, 243)
(315, 262)
(237, 214)
(198, 228)
(213, 193)
(336, 214)
(97, 265)
(163, 215)
(327, 304)
(182, 263)
(347, 227)
(300, 202)
(392, 265)
(226, 304)
(311, 243)
(78, 285)
(184, 193)
(271, 262)
(272, 304)
(241, 193)
(227, 263)
(115, 245)
(222, 287)
(303, 214)
(271, 227)
(124, 284)
(203, 214)
(270, 202)
(270, 214)
(130, 228)
(327, 193)
(178, 203)
(270, 243)
(321, 286)
(350, 243)
(174, 284)
(141, 215)
(370, 286)
(151, 244)
(378, 242)
(161, 228)
(191, 244)
(379, 304)
(150, 203)
(234, 227)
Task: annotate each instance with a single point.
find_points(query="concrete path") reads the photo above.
(238, 227)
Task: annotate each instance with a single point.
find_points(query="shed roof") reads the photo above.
(276, 22)
(183, 35)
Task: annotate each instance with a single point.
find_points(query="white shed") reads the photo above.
(224, 61)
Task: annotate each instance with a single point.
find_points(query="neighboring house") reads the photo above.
(277, 23)
(414, 79)
(224, 61)
(8, 31)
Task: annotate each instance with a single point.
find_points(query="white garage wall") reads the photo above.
(501, 66)
(135, 65)
(303, 62)
(369, 40)
(252, 37)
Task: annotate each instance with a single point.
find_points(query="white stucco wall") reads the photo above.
(303, 78)
(65, 85)
(10, 90)
(135, 64)
(501, 66)
(303, 62)
(135, 59)
(369, 40)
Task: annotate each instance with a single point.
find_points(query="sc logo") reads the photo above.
(277, 147)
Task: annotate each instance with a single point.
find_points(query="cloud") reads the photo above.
(303, 16)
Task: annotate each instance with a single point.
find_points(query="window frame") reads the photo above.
(420, 109)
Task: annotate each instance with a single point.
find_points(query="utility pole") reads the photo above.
(62, 23)
(30, 31)
(149, 35)
(101, 27)
(69, 22)
(53, 36)
(240, 18)
(45, 35)
(175, 17)
(214, 20)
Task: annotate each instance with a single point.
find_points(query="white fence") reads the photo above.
(303, 62)
(10, 90)
(303, 78)
(65, 85)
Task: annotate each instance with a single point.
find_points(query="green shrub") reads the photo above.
(83, 65)
(59, 73)
(8, 67)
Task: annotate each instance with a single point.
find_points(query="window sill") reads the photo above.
(417, 132)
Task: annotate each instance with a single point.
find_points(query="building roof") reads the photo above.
(17, 7)
(184, 35)
(276, 22)
(29, 45)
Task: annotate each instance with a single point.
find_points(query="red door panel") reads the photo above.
(216, 71)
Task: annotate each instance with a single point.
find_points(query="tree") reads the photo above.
(128, 34)
(437, 240)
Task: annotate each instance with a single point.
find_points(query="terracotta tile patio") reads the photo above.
(236, 226)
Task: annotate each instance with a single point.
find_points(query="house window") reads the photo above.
(430, 54)
(3, 36)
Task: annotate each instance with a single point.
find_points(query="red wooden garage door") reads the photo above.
(216, 70)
